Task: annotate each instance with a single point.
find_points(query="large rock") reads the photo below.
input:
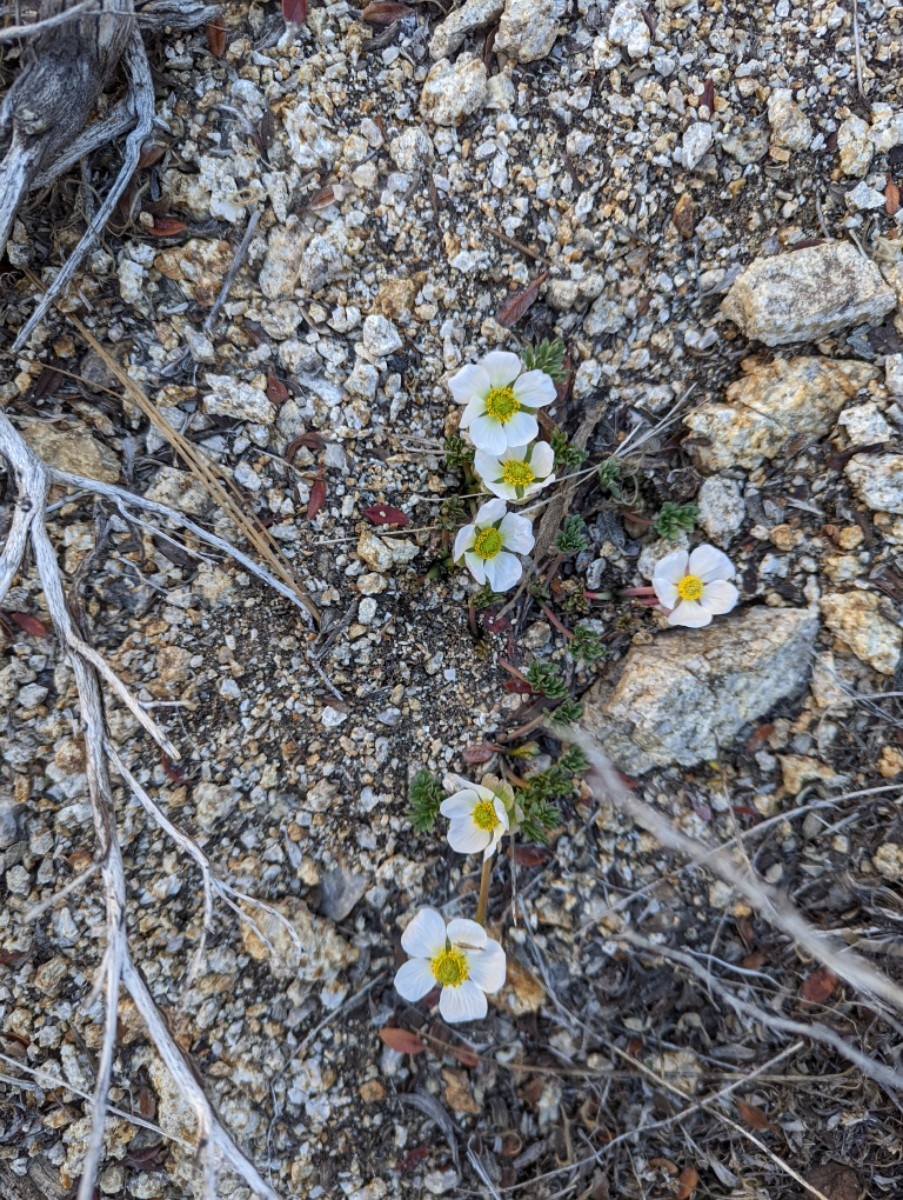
(857, 621)
(770, 404)
(877, 480)
(449, 35)
(790, 127)
(684, 698)
(453, 91)
(528, 28)
(69, 446)
(805, 294)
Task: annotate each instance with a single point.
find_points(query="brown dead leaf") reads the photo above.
(277, 392)
(523, 993)
(517, 305)
(316, 499)
(294, 11)
(216, 37)
(475, 756)
(891, 197)
(837, 1181)
(818, 988)
(664, 1164)
(687, 1183)
(307, 441)
(167, 227)
(707, 96)
(151, 152)
(401, 1040)
(385, 514)
(385, 12)
(752, 1115)
(29, 624)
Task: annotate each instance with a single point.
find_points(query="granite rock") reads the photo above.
(771, 403)
(528, 28)
(877, 480)
(726, 675)
(805, 294)
(856, 620)
(449, 34)
(453, 91)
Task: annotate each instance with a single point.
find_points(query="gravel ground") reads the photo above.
(409, 178)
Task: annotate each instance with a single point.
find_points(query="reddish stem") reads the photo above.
(553, 620)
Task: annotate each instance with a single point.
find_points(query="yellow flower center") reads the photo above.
(501, 404)
(690, 588)
(484, 815)
(517, 473)
(450, 967)
(488, 543)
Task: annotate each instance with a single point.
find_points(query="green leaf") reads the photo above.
(548, 356)
(425, 796)
(674, 519)
(567, 457)
(572, 537)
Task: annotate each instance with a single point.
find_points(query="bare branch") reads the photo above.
(765, 899)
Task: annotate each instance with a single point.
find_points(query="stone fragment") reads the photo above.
(697, 141)
(855, 147)
(380, 337)
(747, 145)
(528, 28)
(799, 769)
(890, 763)
(230, 397)
(770, 404)
(684, 698)
(886, 130)
(412, 150)
(453, 91)
(68, 446)
(722, 509)
(863, 198)
(523, 993)
(683, 218)
(449, 34)
(888, 256)
(301, 946)
(877, 480)
(790, 127)
(805, 294)
(855, 618)
(893, 374)
(888, 860)
(198, 267)
(864, 424)
(628, 28)
(282, 262)
(374, 551)
(324, 259)
(340, 891)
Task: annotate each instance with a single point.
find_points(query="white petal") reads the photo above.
(470, 381)
(425, 935)
(503, 572)
(466, 838)
(501, 366)
(486, 434)
(667, 592)
(691, 614)
(521, 429)
(671, 569)
(463, 541)
(476, 566)
(414, 979)
(487, 967)
(542, 460)
(501, 812)
(518, 533)
(719, 597)
(490, 512)
(466, 1002)
(475, 408)
(502, 489)
(469, 935)
(535, 389)
(461, 804)
(486, 466)
(708, 563)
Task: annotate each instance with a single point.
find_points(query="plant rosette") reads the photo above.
(501, 400)
(490, 545)
(695, 587)
(519, 472)
(460, 958)
(480, 814)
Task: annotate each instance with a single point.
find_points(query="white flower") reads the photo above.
(489, 545)
(478, 817)
(694, 586)
(518, 472)
(461, 959)
(501, 400)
